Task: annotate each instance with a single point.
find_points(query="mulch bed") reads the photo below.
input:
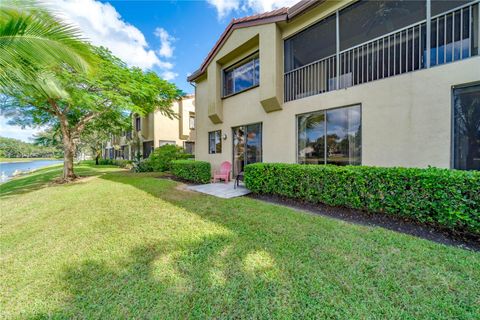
(434, 233)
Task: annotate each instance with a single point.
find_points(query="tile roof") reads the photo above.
(281, 14)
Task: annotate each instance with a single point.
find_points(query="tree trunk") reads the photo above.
(69, 153)
(96, 159)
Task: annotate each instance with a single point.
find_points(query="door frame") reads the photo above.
(245, 151)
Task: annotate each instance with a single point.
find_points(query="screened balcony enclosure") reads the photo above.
(373, 40)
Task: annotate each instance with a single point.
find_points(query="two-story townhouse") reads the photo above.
(379, 83)
(154, 130)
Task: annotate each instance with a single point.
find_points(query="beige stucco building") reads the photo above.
(344, 82)
(155, 130)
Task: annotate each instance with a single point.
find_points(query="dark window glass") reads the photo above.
(138, 123)
(147, 149)
(342, 129)
(366, 20)
(311, 138)
(189, 147)
(312, 44)
(441, 6)
(466, 128)
(215, 142)
(241, 77)
(247, 146)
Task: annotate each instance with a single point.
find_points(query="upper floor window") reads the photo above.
(215, 142)
(242, 76)
(466, 128)
(138, 123)
(191, 122)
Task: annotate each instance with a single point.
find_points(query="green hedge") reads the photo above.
(191, 170)
(161, 158)
(446, 197)
(115, 162)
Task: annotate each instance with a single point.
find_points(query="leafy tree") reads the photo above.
(101, 99)
(13, 148)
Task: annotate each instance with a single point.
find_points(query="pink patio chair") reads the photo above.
(224, 172)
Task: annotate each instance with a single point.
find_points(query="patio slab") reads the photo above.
(221, 189)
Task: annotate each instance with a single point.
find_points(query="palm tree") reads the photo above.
(32, 42)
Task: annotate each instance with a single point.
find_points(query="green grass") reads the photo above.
(123, 245)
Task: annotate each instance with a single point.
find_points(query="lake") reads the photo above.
(8, 168)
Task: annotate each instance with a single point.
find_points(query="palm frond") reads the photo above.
(33, 40)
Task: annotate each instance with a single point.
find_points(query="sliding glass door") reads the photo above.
(247, 146)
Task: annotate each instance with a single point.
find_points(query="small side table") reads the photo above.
(237, 180)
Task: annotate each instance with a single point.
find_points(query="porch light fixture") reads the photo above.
(224, 136)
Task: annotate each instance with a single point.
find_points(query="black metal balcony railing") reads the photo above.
(452, 38)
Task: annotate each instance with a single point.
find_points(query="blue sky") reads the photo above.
(170, 37)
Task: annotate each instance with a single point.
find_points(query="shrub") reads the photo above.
(114, 162)
(191, 170)
(450, 198)
(144, 165)
(162, 157)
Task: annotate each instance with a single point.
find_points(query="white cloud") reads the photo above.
(16, 132)
(169, 75)
(102, 25)
(166, 48)
(225, 7)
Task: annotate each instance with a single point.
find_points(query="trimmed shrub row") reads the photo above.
(115, 162)
(450, 198)
(192, 170)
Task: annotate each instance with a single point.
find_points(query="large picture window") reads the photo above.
(466, 128)
(330, 136)
(215, 142)
(241, 76)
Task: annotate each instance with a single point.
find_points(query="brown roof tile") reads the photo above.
(277, 15)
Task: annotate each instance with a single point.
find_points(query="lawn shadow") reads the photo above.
(172, 280)
(271, 264)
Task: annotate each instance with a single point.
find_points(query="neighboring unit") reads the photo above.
(155, 130)
(379, 83)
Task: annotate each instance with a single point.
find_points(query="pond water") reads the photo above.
(8, 168)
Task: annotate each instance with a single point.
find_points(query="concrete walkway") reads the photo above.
(221, 189)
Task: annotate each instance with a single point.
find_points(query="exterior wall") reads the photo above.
(406, 119)
(156, 127)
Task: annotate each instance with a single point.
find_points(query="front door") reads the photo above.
(247, 146)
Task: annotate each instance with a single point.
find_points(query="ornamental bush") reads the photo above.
(115, 162)
(449, 198)
(161, 158)
(191, 170)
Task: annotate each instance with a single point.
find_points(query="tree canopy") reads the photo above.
(57, 89)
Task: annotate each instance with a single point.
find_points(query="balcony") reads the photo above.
(453, 36)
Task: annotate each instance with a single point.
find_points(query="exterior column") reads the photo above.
(428, 32)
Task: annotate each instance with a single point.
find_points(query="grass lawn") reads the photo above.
(123, 245)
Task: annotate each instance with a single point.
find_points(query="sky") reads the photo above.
(169, 37)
